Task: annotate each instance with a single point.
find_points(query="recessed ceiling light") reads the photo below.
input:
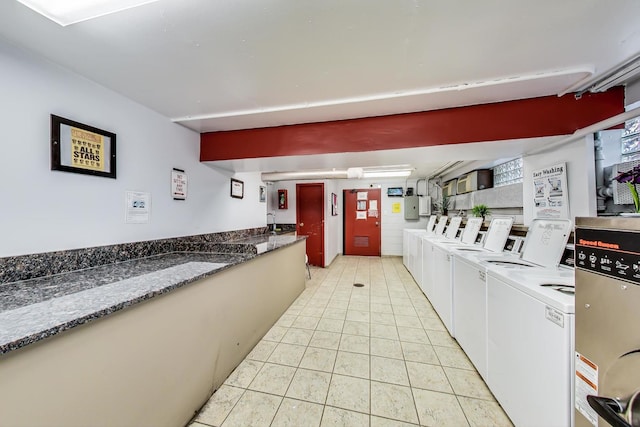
(67, 12)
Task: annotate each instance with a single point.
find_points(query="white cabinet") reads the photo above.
(470, 311)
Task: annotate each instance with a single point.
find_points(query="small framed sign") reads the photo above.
(237, 188)
(334, 204)
(178, 184)
(263, 194)
(79, 148)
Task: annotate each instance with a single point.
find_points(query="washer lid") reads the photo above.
(452, 229)
(471, 230)
(545, 241)
(431, 223)
(441, 224)
(497, 234)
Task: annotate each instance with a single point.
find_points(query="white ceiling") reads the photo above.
(219, 65)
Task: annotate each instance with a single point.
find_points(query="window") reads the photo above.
(508, 173)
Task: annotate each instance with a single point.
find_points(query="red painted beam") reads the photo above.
(527, 118)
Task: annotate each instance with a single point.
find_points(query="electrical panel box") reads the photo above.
(411, 207)
(424, 205)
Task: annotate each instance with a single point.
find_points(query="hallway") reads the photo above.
(376, 355)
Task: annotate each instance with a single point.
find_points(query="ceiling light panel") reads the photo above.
(67, 12)
(386, 174)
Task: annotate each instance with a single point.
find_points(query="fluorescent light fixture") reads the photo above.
(387, 174)
(620, 76)
(67, 12)
(622, 73)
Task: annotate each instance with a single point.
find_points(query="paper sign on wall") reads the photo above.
(395, 208)
(550, 192)
(361, 215)
(373, 205)
(137, 207)
(363, 195)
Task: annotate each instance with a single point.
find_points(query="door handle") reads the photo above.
(377, 223)
(302, 224)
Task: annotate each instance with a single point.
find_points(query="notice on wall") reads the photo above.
(178, 184)
(137, 207)
(586, 384)
(550, 192)
(373, 205)
(363, 195)
(362, 205)
(361, 215)
(395, 208)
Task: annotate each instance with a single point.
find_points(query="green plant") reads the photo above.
(480, 210)
(631, 178)
(443, 206)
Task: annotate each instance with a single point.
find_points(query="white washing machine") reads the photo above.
(428, 240)
(470, 293)
(412, 248)
(440, 267)
(530, 329)
(412, 251)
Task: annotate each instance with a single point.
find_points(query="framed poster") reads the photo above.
(79, 148)
(237, 188)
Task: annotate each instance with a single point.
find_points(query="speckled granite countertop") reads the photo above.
(31, 310)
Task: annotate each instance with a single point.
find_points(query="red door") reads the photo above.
(362, 213)
(310, 216)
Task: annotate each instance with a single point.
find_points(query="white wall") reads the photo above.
(44, 210)
(283, 216)
(579, 157)
(392, 223)
(332, 244)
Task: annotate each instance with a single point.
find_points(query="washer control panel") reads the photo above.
(611, 253)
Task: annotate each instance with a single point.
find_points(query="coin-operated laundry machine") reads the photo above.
(607, 355)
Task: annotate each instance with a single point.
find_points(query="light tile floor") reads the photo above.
(341, 355)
